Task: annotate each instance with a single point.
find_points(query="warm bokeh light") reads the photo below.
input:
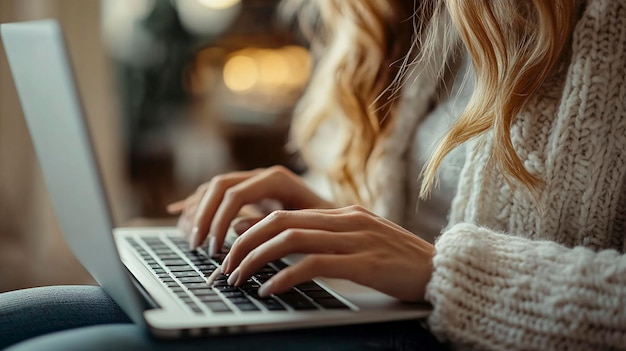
(241, 73)
(218, 4)
(273, 68)
(299, 63)
(267, 71)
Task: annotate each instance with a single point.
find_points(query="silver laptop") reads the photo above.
(135, 265)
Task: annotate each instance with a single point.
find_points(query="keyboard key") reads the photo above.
(279, 264)
(271, 304)
(217, 306)
(182, 294)
(263, 277)
(199, 260)
(266, 269)
(186, 268)
(192, 286)
(164, 249)
(209, 298)
(225, 288)
(175, 262)
(297, 301)
(187, 274)
(206, 267)
(168, 256)
(250, 287)
(187, 300)
(178, 290)
(231, 294)
(195, 279)
(311, 286)
(163, 275)
(247, 307)
(239, 300)
(204, 292)
(158, 247)
(221, 277)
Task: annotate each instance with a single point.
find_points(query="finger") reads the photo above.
(358, 213)
(216, 273)
(312, 266)
(344, 210)
(250, 210)
(242, 224)
(187, 209)
(209, 203)
(175, 207)
(185, 220)
(293, 241)
(246, 218)
(265, 184)
(279, 221)
(267, 206)
(275, 183)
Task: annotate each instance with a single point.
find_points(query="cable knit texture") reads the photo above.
(513, 274)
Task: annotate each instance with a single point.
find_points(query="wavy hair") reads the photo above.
(364, 46)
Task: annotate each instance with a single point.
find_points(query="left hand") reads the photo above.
(350, 243)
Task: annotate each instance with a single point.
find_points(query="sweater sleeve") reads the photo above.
(496, 291)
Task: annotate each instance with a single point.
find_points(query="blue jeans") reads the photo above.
(85, 318)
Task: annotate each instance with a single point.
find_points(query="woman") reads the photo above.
(532, 171)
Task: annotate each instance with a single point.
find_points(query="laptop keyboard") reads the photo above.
(184, 272)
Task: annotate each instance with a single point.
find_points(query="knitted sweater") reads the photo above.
(511, 273)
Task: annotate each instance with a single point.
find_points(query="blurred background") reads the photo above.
(175, 91)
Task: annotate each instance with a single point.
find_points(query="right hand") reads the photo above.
(207, 213)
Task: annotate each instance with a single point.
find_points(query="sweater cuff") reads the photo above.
(498, 291)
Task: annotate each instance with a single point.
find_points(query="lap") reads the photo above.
(78, 318)
(31, 312)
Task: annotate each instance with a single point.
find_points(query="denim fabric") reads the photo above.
(31, 312)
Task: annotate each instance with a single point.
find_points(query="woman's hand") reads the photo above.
(350, 243)
(210, 210)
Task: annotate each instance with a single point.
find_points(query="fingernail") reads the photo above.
(192, 239)
(233, 277)
(225, 262)
(212, 248)
(265, 289)
(216, 273)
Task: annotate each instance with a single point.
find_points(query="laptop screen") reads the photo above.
(44, 81)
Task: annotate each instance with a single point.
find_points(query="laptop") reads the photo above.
(151, 272)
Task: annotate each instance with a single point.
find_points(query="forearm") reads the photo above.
(498, 291)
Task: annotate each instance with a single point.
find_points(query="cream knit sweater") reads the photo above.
(511, 274)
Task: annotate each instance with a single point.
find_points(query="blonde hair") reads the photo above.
(514, 46)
